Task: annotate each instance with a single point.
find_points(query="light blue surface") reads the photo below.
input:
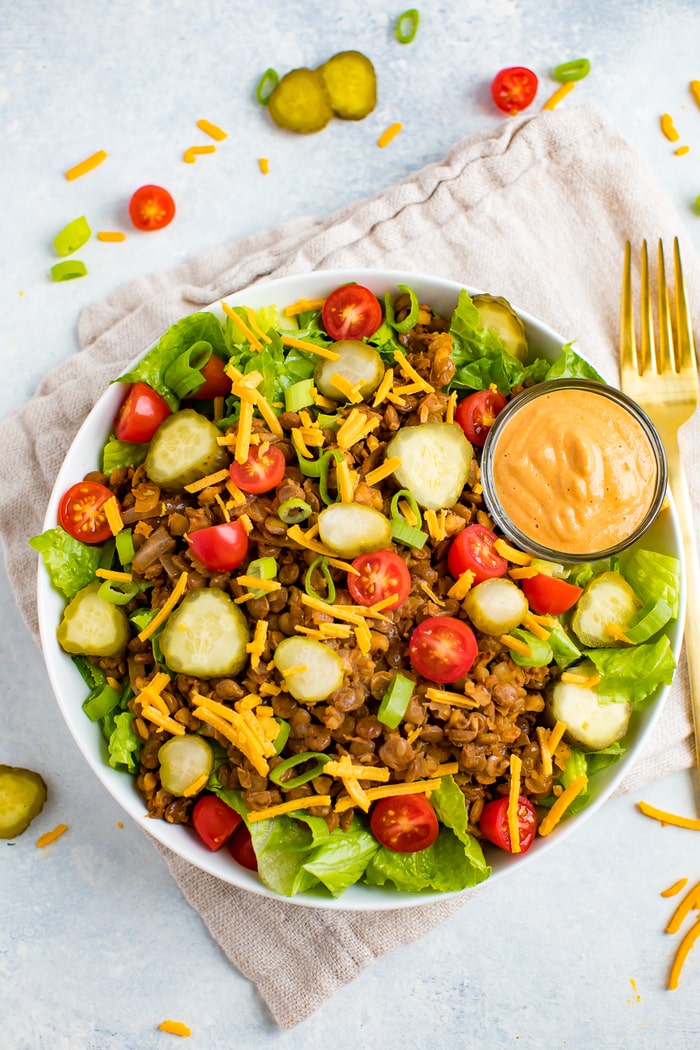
(96, 943)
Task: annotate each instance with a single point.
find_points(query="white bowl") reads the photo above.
(70, 690)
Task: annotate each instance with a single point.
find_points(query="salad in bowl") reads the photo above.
(284, 628)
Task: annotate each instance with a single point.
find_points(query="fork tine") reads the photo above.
(628, 342)
(665, 357)
(685, 342)
(648, 347)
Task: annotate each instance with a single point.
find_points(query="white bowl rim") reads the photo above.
(65, 680)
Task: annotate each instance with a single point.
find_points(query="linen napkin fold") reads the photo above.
(537, 210)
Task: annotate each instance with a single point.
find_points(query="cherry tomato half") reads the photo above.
(151, 208)
(81, 512)
(381, 574)
(513, 89)
(219, 547)
(550, 596)
(442, 649)
(473, 550)
(214, 821)
(477, 413)
(142, 412)
(216, 382)
(261, 471)
(494, 823)
(404, 823)
(240, 847)
(351, 312)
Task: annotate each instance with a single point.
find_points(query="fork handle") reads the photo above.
(679, 488)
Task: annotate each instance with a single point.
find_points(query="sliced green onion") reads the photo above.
(91, 675)
(321, 564)
(395, 701)
(117, 593)
(125, 547)
(299, 395)
(292, 511)
(266, 85)
(407, 26)
(407, 534)
(184, 375)
(577, 69)
(72, 236)
(283, 735)
(337, 455)
(411, 318)
(407, 495)
(540, 650)
(142, 617)
(276, 774)
(68, 270)
(107, 554)
(265, 569)
(327, 422)
(311, 468)
(101, 701)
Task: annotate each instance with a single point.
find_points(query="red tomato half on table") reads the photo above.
(262, 471)
(81, 512)
(220, 547)
(141, 413)
(151, 208)
(404, 823)
(494, 823)
(513, 89)
(351, 312)
(240, 847)
(442, 649)
(214, 821)
(550, 596)
(216, 382)
(381, 574)
(477, 413)
(473, 550)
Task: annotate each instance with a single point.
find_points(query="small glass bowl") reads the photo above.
(514, 532)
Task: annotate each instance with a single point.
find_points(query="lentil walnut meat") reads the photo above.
(506, 699)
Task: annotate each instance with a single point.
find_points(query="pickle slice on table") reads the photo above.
(300, 102)
(22, 797)
(351, 84)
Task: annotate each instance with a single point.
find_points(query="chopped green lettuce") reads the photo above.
(71, 565)
(123, 745)
(656, 580)
(117, 454)
(633, 673)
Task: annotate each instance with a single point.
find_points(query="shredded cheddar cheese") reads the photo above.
(346, 485)
(461, 587)
(409, 371)
(86, 165)
(245, 423)
(113, 515)
(50, 836)
(689, 902)
(577, 785)
(174, 1028)
(516, 766)
(587, 681)
(431, 594)
(668, 818)
(516, 644)
(190, 155)
(451, 405)
(112, 236)
(195, 786)
(384, 387)
(682, 953)
(152, 714)
(387, 467)
(112, 574)
(363, 637)
(436, 524)
(535, 627)
(444, 696)
(668, 127)
(306, 802)
(173, 598)
(241, 325)
(681, 151)
(205, 483)
(555, 736)
(312, 348)
(212, 130)
(257, 647)
(416, 787)
(511, 554)
(671, 891)
(258, 583)
(302, 306)
(545, 753)
(560, 94)
(389, 134)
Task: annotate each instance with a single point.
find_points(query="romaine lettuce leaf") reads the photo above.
(71, 565)
(656, 580)
(123, 745)
(634, 673)
(118, 454)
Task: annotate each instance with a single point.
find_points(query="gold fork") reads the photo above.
(662, 377)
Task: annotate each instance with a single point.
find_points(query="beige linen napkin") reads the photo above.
(537, 210)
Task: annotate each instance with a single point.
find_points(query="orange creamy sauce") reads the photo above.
(574, 471)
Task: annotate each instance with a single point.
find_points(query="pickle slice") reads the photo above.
(351, 84)
(206, 636)
(359, 364)
(92, 626)
(184, 449)
(300, 102)
(497, 315)
(22, 797)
